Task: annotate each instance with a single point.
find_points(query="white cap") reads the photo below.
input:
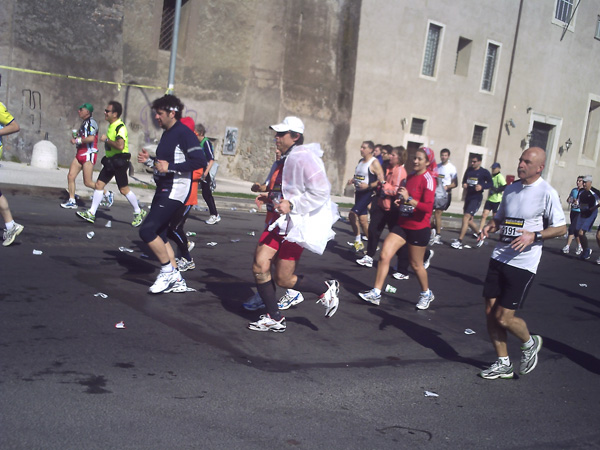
(587, 178)
(290, 123)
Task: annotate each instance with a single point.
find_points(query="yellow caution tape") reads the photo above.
(71, 77)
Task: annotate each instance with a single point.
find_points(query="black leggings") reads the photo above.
(163, 209)
(208, 196)
(379, 219)
(176, 233)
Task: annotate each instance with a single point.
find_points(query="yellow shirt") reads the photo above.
(113, 135)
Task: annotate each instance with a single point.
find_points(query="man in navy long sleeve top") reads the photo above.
(475, 180)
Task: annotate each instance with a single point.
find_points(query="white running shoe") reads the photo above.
(184, 265)
(166, 282)
(425, 299)
(330, 298)
(69, 204)
(265, 323)
(481, 241)
(253, 303)
(213, 219)
(437, 239)
(579, 250)
(366, 261)
(456, 244)
(400, 276)
(370, 296)
(428, 260)
(10, 235)
(566, 249)
(291, 298)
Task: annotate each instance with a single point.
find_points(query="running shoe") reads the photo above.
(86, 215)
(69, 204)
(366, 261)
(566, 249)
(481, 241)
(253, 303)
(184, 265)
(370, 296)
(191, 245)
(437, 240)
(358, 246)
(456, 244)
(476, 235)
(428, 260)
(179, 286)
(139, 218)
(215, 219)
(400, 276)
(166, 282)
(291, 298)
(529, 358)
(425, 299)
(579, 250)
(598, 260)
(587, 254)
(497, 370)
(109, 199)
(10, 235)
(265, 323)
(330, 298)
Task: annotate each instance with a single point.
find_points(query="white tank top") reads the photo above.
(361, 173)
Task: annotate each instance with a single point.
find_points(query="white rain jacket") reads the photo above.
(305, 185)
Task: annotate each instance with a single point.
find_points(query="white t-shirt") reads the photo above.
(527, 207)
(447, 173)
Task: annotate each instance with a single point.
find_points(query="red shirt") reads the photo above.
(422, 189)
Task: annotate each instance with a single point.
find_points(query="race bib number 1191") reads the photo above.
(509, 227)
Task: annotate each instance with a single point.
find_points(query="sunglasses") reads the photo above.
(281, 133)
(108, 111)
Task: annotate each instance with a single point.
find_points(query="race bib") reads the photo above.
(509, 227)
(472, 181)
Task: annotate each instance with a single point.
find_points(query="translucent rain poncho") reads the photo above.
(306, 186)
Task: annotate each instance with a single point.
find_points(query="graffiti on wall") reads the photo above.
(31, 109)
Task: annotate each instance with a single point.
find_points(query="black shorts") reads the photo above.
(491, 206)
(418, 238)
(573, 222)
(507, 284)
(472, 205)
(161, 213)
(119, 174)
(361, 202)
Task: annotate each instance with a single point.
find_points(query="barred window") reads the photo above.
(478, 135)
(168, 24)
(417, 126)
(431, 50)
(487, 82)
(564, 9)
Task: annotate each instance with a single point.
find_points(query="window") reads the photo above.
(489, 68)
(598, 29)
(463, 55)
(417, 126)
(563, 11)
(592, 131)
(479, 135)
(167, 24)
(434, 35)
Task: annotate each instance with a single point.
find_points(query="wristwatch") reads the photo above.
(409, 199)
(291, 206)
(538, 237)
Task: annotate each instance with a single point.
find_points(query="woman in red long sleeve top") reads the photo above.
(413, 228)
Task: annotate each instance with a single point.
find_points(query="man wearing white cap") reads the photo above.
(301, 216)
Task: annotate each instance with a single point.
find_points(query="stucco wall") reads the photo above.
(240, 64)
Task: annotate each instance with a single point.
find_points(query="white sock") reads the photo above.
(528, 344)
(167, 268)
(357, 238)
(504, 360)
(96, 199)
(377, 291)
(133, 201)
(10, 225)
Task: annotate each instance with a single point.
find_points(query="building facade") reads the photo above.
(492, 79)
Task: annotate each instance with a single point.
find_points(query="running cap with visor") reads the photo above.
(587, 178)
(290, 123)
(87, 106)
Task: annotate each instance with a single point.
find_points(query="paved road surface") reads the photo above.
(185, 373)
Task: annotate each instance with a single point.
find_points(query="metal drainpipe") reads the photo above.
(171, 84)
(512, 60)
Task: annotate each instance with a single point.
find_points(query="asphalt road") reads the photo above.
(186, 373)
